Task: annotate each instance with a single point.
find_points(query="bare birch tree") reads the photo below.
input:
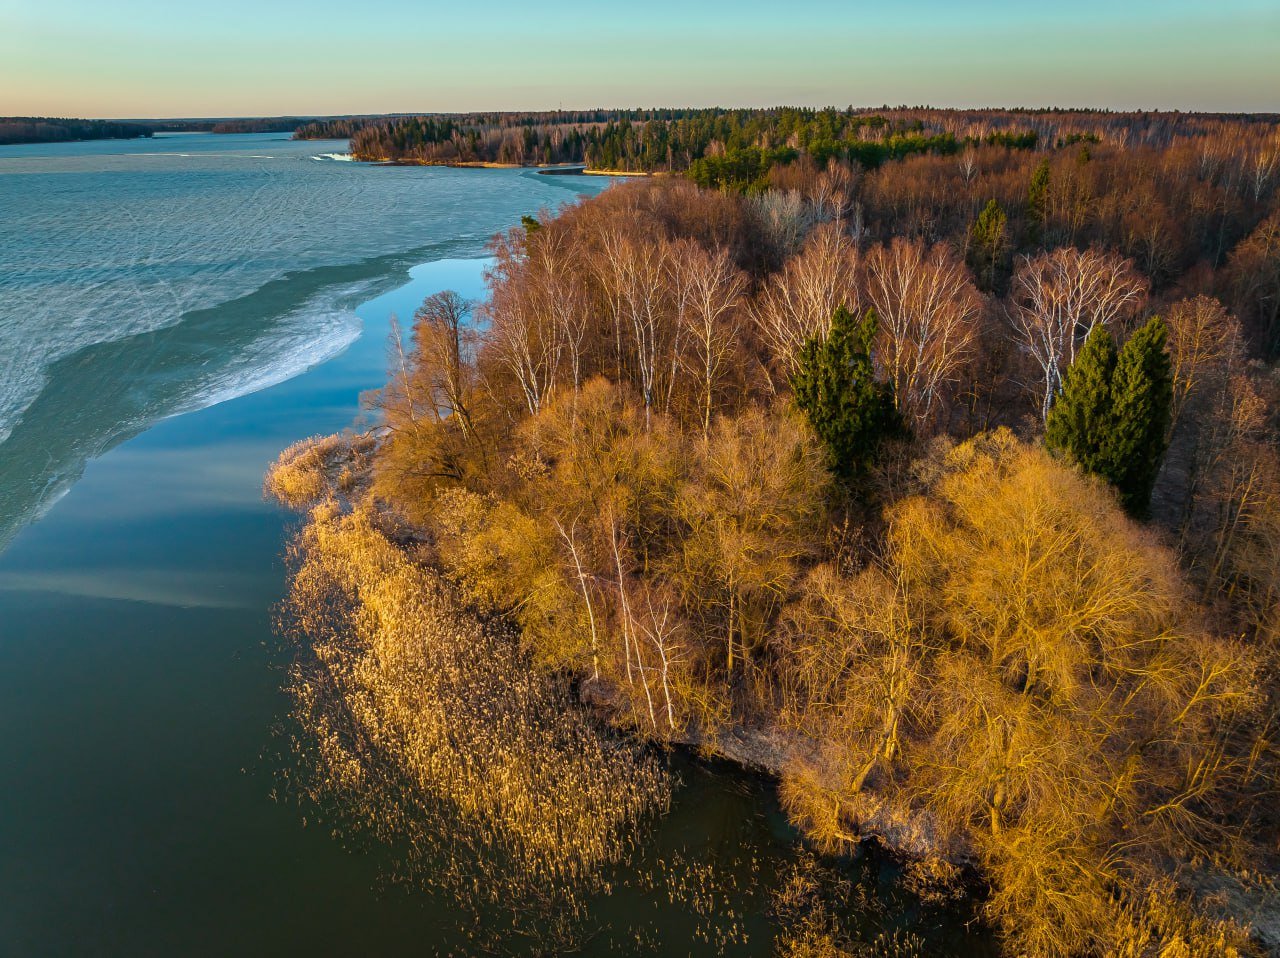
(798, 301)
(709, 290)
(1059, 297)
(633, 273)
(929, 313)
(525, 343)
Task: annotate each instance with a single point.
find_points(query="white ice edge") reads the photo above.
(297, 350)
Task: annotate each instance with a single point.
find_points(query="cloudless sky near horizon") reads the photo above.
(154, 58)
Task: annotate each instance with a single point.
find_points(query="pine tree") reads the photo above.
(1082, 419)
(1142, 402)
(835, 386)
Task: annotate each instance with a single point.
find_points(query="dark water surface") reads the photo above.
(140, 701)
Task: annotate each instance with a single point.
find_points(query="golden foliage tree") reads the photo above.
(1028, 668)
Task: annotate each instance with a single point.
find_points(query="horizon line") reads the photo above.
(617, 109)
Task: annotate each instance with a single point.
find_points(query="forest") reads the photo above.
(258, 124)
(932, 454)
(43, 129)
(737, 147)
(651, 141)
(31, 129)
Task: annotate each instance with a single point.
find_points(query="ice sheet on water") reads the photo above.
(106, 244)
(178, 369)
(94, 248)
(311, 335)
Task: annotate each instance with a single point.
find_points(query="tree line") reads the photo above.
(20, 129)
(672, 140)
(258, 124)
(43, 129)
(648, 140)
(957, 473)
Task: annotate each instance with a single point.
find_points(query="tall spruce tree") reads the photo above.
(835, 385)
(989, 247)
(1142, 403)
(1082, 419)
(1038, 197)
(1112, 416)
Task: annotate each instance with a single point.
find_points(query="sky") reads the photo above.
(207, 58)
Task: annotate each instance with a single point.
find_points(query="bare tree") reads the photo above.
(834, 191)
(798, 301)
(525, 342)
(929, 313)
(1254, 272)
(660, 626)
(552, 266)
(709, 289)
(785, 217)
(399, 399)
(1263, 165)
(570, 539)
(633, 271)
(1204, 343)
(1059, 297)
(446, 345)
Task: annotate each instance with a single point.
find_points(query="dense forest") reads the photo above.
(258, 124)
(737, 147)
(29, 129)
(940, 478)
(648, 141)
(42, 129)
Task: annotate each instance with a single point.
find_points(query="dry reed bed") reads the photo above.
(436, 727)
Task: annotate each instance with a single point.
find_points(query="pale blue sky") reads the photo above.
(145, 58)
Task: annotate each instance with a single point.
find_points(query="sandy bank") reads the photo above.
(618, 173)
(557, 169)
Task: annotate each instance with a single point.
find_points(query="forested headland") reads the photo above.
(928, 459)
(737, 147)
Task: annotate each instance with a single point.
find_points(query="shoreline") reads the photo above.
(634, 173)
(906, 834)
(767, 750)
(557, 169)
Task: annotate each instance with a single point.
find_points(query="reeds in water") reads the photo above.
(433, 726)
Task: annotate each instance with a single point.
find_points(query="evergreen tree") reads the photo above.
(988, 247)
(1038, 195)
(1142, 402)
(1081, 419)
(1112, 415)
(835, 386)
